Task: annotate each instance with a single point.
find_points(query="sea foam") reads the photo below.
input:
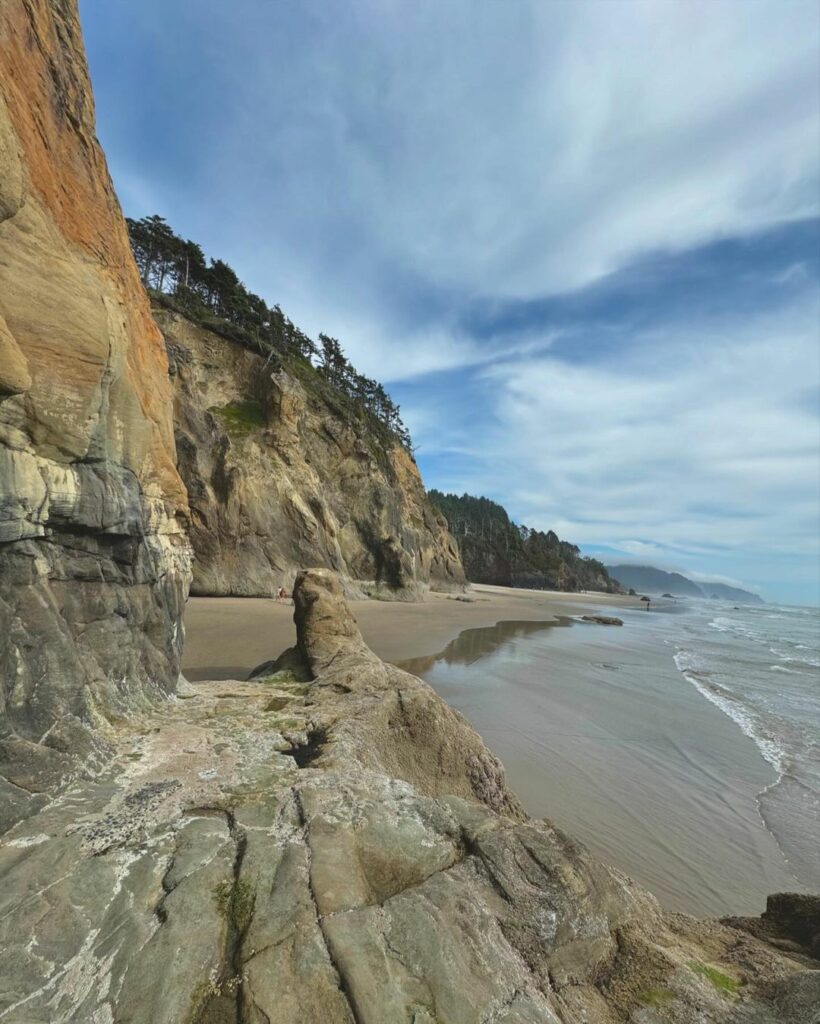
(692, 669)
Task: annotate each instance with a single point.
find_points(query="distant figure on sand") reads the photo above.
(646, 599)
(282, 594)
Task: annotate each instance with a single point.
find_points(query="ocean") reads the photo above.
(683, 747)
(761, 666)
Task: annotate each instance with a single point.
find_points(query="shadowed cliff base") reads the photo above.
(393, 877)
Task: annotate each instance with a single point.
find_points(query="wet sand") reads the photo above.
(596, 727)
(600, 733)
(226, 637)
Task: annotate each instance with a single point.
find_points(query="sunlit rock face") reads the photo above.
(94, 560)
(280, 475)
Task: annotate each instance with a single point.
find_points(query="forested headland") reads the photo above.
(496, 550)
(177, 273)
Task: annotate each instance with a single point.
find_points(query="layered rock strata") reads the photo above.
(279, 476)
(332, 844)
(94, 561)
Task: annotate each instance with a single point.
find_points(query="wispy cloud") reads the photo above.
(577, 238)
(692, 447)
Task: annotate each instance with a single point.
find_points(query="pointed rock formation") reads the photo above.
(344, 850)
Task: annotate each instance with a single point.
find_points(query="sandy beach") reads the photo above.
(226, 637)
(596, 727)
(601, 734)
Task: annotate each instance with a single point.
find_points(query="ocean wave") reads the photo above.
(693, 670)
(801, 660)
(783, 668)
(724, 625)
(811, 662)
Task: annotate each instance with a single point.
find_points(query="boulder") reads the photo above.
(791, 921)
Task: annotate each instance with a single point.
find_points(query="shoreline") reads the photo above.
(593, 729)
(361, 849)
(600, 733)
(227, 637)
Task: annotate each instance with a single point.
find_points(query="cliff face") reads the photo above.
(93, 558)
(279, 477)
(496, 550)
(344, 850)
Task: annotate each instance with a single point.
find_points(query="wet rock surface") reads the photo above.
(205, 876)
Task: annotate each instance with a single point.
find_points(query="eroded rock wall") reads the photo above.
(94, 562)
(279, 478)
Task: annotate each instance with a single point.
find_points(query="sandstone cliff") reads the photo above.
(279, 476)
(329, 843)
(344, 850)
(93, 557)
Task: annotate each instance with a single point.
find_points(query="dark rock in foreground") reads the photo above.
(791, 922)
(603, 620)
(343, 850)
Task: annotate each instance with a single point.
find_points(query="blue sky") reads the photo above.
(580, 242)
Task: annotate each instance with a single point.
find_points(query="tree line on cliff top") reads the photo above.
(210, 292)
(496, 550)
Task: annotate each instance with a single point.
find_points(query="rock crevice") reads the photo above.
(372, 884)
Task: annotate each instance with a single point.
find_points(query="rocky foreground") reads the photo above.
(330, 842)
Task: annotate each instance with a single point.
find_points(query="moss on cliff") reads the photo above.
(240, 418)
(725, 984)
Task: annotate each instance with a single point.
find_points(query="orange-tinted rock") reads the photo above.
(94, 561)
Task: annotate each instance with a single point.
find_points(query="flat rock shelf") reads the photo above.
(342, 849)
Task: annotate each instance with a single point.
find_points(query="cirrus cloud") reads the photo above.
(579, 240)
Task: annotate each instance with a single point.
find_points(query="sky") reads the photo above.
(578, 242)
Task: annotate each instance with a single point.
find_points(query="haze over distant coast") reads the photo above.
(647, 579)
